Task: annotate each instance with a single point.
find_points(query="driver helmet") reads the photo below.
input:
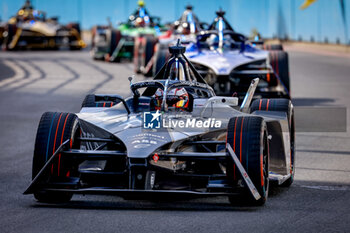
(25, 12)
(187, 23)
(139, 22)
(213, 40)
(141, 18)
(177, 98)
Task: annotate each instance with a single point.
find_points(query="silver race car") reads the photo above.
(173, 136)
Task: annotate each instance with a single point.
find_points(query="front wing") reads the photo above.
(73, 184)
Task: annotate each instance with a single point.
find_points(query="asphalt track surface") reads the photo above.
(32, 82)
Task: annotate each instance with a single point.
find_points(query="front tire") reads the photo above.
(54, 129)
(247, 136)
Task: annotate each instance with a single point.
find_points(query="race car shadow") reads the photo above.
(304, 102)
(164, 203)
(334, 152)
(275, 190)
(116, 203)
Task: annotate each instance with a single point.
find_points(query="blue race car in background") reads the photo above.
(229, 61)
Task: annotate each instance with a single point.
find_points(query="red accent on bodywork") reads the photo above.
(155, 157)
(59, 156)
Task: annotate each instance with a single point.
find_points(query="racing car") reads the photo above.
(173, 136)
(188, 23)
(256, 39)
(229, 61)
(113, 44)
(152, 47)
(31, 29)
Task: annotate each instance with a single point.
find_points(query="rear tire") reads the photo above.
(277, 47)
(248, 138)
(281, 105)
(137, 55)
(148, 51)
(11, 31)
(160, 59)
(91, 101)
(279, 62)
(75, 26)
(115, 38)
(54, 129)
